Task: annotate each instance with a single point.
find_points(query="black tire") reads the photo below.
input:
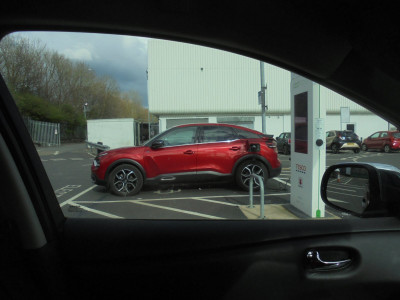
(286, 149)
(247, 168)
(335, 148)
(386, 149)
(125, 180)
(364, 147)
(356, 150)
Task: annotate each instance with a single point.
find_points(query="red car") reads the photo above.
(382, 140)
(189, 153)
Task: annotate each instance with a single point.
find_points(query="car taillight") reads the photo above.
(272, 144)
(289, 141)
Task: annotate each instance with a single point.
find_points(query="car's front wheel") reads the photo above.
(364, 147)
(246, 169)
(125, 180)
(386, 148)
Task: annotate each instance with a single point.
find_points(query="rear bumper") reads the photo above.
(275, 172)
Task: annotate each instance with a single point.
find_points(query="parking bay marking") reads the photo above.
(77, 196)
(99, 212)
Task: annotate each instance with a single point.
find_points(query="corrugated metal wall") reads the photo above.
(188, 79)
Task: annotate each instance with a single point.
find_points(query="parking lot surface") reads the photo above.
(68, 168)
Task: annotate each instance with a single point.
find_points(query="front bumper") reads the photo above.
(96, 180)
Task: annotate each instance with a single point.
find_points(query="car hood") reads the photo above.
(129, 150)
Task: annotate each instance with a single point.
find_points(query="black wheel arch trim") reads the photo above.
(253, 157)
(125, 161)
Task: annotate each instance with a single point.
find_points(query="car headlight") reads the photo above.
(96, 162)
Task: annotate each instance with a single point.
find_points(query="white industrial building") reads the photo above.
(193, 84)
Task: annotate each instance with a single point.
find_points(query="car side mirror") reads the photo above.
(157, 144)
(362, 189)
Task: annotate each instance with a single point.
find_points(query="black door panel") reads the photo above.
(236, 260)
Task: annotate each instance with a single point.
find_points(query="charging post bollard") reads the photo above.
(261, 183)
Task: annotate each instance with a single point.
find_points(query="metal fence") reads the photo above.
(44, 133)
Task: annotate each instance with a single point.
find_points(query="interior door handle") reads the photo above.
(317, 264)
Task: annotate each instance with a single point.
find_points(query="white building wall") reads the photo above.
(190, 81)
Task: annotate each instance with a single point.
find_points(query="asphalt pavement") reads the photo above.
(68, 168)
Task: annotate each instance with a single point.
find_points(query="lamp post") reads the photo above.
(85, 109)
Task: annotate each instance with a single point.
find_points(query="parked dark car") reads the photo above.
(337, 140)
(382, 140)
(189, 153)
(283, 142)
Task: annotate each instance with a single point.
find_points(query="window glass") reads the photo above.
(375, 135)
(93, 102)
(243, 134)
(396, 135)
(217, 134)
(384, 134)
(180, 136)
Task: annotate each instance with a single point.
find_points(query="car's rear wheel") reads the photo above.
(125, 180)
(364, 147)
(246, 169)
(335, 148)
(386, 148)
(286, 149)
(356, 150)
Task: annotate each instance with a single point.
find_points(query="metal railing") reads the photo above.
(43, 133)
(261, 183)
(99, 146)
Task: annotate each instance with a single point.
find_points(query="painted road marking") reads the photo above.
(77, 196)
(281, 181)
(213, 201)
(57, 159)
(99, 212)
(76, 158)
(167, 199)
(66, 189)
(178, 210)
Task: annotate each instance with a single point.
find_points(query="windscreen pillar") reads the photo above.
(308, 149)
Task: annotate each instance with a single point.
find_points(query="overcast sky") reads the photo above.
(124, 58)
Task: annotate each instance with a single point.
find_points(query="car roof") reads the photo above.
(349, 47)
(220, 124)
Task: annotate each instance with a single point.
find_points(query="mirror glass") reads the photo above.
(348, 188)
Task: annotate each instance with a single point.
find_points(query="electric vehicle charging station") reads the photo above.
(308, 149)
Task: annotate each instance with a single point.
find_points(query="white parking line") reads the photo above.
(99, 212)
(76, 158)
(181, 198)
(282, 181)
(213, 201)
(178, 210)
(69, 201)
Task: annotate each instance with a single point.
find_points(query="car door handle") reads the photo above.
(235, 148)
(317, 264)
(188, 152)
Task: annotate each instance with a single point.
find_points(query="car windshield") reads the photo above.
(82, 94)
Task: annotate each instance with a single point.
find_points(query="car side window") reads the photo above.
(243, 134)
(180, 136)
(375, 135)
(384, 134)
(217, 134)
(282, 135)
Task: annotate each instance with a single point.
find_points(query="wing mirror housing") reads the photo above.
(157, 144)
(364, 190)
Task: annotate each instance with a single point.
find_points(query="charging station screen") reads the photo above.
(300, 123)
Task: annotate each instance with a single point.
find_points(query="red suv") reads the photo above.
(189, 153)
(382, 140)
